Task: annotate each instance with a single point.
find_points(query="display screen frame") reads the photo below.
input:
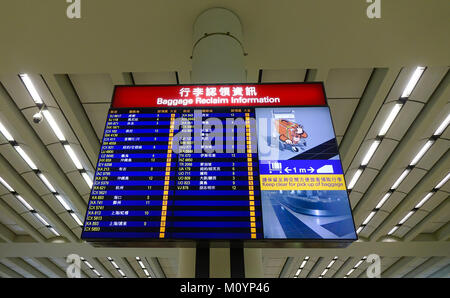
(250, 243)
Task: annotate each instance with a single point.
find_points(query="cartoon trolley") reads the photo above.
(291, 134)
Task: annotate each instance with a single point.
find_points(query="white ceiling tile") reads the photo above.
(17, 90)
(431, 227)
(18, 230)
(433, 154)
(404, 120)
(415, 218)
(401, 232)
(341, 112)
(365, 180)
(428, 83)
(433, 125)
(392, 202)
(14, 159)
(15, 203)
(347, 82)
(43, 90)
(47, 233)
(33, 220)
(354, 198)
(79, 183)
(6, 220)
(411, 180)
(434, 201)
(444, 216)
(97, 114)
(400, 84)
(53, 203)
(381, 117)
(68, 220)
(283, 75)
(379, 217)
(61, 157)
(161, 77)
(368, 230)
(38, 186)
(383, 152)
(93, 87)
(16, 268)
(77, 231)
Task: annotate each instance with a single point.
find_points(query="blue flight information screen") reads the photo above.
(218, 162)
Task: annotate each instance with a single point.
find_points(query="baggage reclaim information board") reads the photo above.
(246, 162)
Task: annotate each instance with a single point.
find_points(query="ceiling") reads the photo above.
(365, 65)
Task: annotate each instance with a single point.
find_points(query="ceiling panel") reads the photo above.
(407, 114)
(342, 110)
(428, 83)
(365, 180)
(162, 77)
(61, 157)
(93, 87)
(411, 180)
(434, 201)
(392, 202)
(355, 196)
(16, 268)
(97, 114)
(18, 230)
(33, 220)
(38, 186)
(15, 203)
(16, 89)
(416, 217)
(347, 82)
(400, 84)
(382, 154)
(14, 159)
(439, 148)
(77, 180)
(283, 75)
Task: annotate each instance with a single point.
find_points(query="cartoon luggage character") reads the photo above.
(291, 135)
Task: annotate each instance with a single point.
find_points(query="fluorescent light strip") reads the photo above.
(46, 182)
(73, 156)
(88, 264)
(424, 200)
(6, 133)
(54, 126)
(41, 219)
(54, 232)
(96, 272)
(25, 203)
(359, 263)
(370, 152)
(359, 229)
(298, 272)
(30, 87)
(75, 217)
(63, 202)
(443, 181)
(350, 272)
(324, 272)
(146, 273)
(303, 264)
(114, 264)
(383, 200)
(121, 273)
(441, 127)
(355, 178)
(410, 213)
(400, 179)
(392, 115)
(87, 179)
(392, 231)
(25, 157)
(413, 81)
(5, 184)
(421, 153)
(371, 215)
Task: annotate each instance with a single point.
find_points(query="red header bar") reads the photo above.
(291, 94)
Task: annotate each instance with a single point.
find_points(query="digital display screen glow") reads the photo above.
(247, 162)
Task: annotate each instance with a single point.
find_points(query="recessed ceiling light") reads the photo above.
(392, 115)
(413, 81)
